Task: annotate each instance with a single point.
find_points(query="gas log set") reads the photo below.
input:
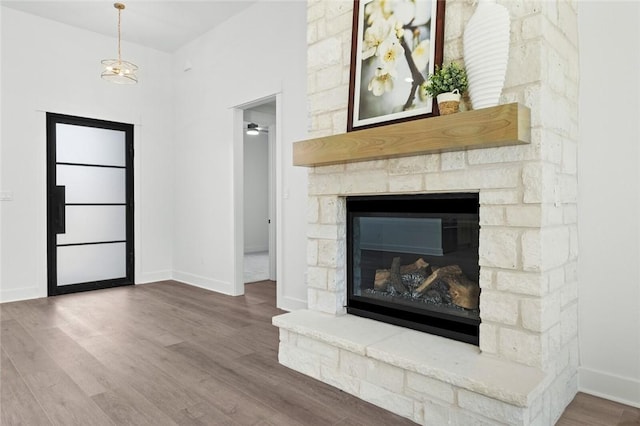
(445, 286)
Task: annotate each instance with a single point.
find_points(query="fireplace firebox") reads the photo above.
(412, 260)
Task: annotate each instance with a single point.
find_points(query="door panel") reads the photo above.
(93, 262)
(88, 145)
(92, 184)
(90, 204)
(85, 224)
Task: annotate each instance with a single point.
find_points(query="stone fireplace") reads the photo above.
(524, 369)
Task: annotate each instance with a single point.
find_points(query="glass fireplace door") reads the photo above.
(413, 261)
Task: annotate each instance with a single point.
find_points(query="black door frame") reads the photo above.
(55, 205)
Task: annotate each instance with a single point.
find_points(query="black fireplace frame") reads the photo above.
(437, 323)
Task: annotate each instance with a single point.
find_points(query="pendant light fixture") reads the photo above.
(117, 70)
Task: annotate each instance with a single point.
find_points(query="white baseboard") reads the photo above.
(249, 250)
(291, 304)
(204, 282)
(22, 294)
(624, 390)
(16, 295)
(151, 277)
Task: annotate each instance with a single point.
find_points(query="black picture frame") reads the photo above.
(387, 69)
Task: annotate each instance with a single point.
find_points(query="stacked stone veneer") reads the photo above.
(528, 215)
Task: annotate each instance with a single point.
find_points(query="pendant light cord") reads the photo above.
(119, 55)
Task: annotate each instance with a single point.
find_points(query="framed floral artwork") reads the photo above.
(395, 45)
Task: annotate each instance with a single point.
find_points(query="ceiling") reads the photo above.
(162, 25)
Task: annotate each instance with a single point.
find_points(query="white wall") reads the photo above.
(47, 66)
(609, 200)
(256, 193)
(256, 54)
(1, 138)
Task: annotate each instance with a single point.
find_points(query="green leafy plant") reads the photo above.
(446, 79)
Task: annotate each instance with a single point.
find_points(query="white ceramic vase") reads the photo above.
(486, 53)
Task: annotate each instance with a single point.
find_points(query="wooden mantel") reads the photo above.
(508, 124)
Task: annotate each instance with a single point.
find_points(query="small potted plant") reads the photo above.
(447, 85)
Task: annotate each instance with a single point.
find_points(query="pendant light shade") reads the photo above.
(117, 70)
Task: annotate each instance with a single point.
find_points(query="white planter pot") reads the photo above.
(449, 102)
(486, 53)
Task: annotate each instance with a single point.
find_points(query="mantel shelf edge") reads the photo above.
(502, 125)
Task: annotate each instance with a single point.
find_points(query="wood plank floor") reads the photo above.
(168, 353)
(588, 410)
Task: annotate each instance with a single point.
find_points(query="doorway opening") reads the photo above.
(256, 192)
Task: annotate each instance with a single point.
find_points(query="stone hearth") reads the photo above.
(524, 371)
